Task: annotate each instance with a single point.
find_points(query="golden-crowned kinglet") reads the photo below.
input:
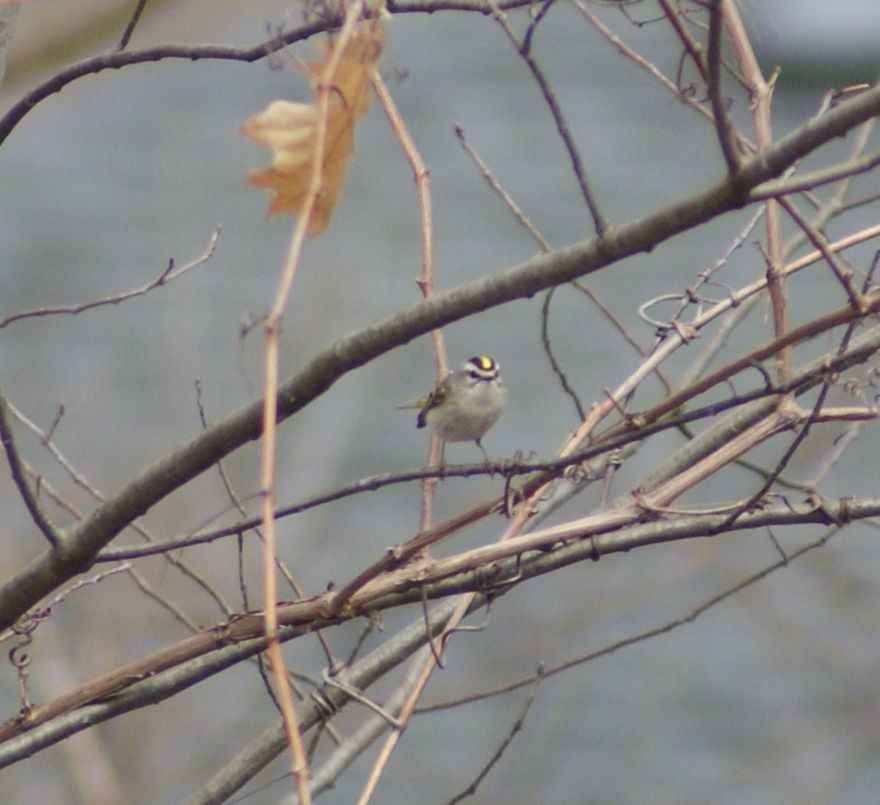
(466, 404)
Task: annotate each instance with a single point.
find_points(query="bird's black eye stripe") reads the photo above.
(474, 374)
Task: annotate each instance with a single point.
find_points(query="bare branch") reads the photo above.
(86, 484)
(514, 729)
(691, 46)
(817, 178)
(46, 526)
(422, 178)
(554, 361)
(524, 50)
(493, 182)
(324, 89)
(132, 24)
(843, 275)
(325, 777)
(168, 275)
(726, 133)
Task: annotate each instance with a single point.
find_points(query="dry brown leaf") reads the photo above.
(288, 129)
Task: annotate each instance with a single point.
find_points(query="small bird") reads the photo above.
(466, 404)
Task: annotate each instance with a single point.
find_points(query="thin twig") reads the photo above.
(554, 363)
(323, 90)
(761, 92)
(691, 46)
(168, 275)
(523, 220)
(809, 181)
(511, 734)
(47, 527)
(426, 279)
(132, 24)
(357, 696)
(169, 606)
(834, 455)
(705, 276)
(723, 125)
(802, 432)
(356, 743)
(237, 504)
(136, 525)
(861, 201)
(284, 570)
(843, 274)
(642, 62)
(435, 447)
(836, 204)
(493, 182)
(616, 323)
(599, 222)
(619, 326)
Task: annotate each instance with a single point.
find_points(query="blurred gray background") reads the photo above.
(770, 698)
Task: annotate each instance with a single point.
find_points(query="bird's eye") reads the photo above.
(475, 375)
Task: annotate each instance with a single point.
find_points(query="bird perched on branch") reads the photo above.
(466, 404)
